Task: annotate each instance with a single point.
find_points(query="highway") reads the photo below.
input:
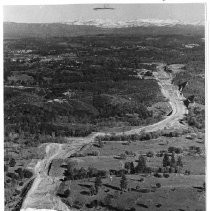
(42, 195)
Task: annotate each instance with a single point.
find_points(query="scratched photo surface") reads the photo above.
(104, 107)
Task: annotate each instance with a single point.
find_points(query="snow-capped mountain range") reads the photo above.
(107, 23)
(102, 26)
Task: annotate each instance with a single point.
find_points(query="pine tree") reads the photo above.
(71, 169)
(141, 167)
(98, 183)
(132, 168)
(173, 161)
(179, 161)
(92, 190)
(100, 144)
(166, 160)
(12, 162)
(127, 166)
(123, 182)
(204, 186)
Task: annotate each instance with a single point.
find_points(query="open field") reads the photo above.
(178, 191)
(170, 196)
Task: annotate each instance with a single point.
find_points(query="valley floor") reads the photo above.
(42, 194)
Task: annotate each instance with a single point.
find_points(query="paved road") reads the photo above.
(43, 191)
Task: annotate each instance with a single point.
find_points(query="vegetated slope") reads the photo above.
(64, 30)
(194, 74)
(72, 75)
(69, 101)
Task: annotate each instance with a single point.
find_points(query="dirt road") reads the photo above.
(42, 195)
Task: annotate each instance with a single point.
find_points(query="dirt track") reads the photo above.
(42, 196)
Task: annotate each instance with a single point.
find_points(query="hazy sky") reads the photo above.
(63, 13)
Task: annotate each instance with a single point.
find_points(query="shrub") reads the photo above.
(17, 192)
(123, 156)
(160, 154)
(66, 193)
(127, 165)
(166, 175)
(177, 150)
(93, 153)
(108, 199)
(67, 201)
(187, 172)
(20, 172)
(12, 162)
(160, 170)
(78, 204)
(132, 168)
(166, 160)
(196, 149)
(141, 166)
(196, 118)
(121, 172)
(204, 186)
(27, 174)
(71, 170)
(126, 143)
(148, 136)
(158, 185)
(172, 170)
(178, 169)
(12, 175)
(148, 73)
(134, 137)
(93, 203)
(98, 183)
(8, 180)
(5, 168)
(123, 182)
(173, 161)
(179, 161)
(81, 173)
(102, 173)
(92, 190)
(157, 175)
(137, 187)
(100, 144)
(149, 170)
(92, 172)
(145, 190)
(130, 153)
(166, 169)
(78, 155)
(150, 154)
(171, 133)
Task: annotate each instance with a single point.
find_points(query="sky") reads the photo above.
(191, 12)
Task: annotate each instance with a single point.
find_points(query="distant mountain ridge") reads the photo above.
(95, 27)
(107, 23)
